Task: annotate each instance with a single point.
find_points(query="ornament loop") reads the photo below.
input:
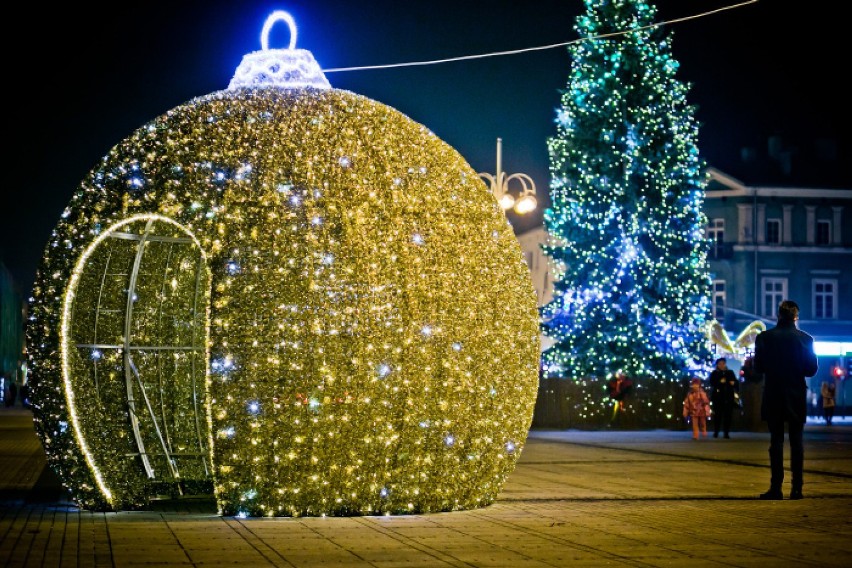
(289, 68)
(274, 17)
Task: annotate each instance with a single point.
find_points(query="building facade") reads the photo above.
(12, 309)
(769, 244)
(775, 243)
(538, 263)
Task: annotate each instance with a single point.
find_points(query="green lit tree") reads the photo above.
(631, 291)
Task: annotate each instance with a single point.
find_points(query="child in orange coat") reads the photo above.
(696, 408)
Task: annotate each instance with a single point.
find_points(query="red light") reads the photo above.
(839, 372)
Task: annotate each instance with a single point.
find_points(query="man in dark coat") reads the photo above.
(724, 390)
(785, 356)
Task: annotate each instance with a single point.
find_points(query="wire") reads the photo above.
(539, 48)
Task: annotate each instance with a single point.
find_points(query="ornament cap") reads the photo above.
(289, 68)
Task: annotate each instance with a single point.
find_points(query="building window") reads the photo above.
(716, 231)
(774, 292)
(716, 235)
(825, 299)
(773, 231)
(718, 299)
(823, 232)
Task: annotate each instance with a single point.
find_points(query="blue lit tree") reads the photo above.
(632, 285)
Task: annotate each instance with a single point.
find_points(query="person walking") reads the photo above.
(828, 391)
(618, 388)
(724, 390)
(784, 355)
(696, 408)
(10, 391)
(13, 393)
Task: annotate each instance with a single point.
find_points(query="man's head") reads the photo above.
(788, 310)
(721, 363)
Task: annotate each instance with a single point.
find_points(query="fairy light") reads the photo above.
(66, 347)
(631, 290)
(289, 68)
(271, 20)
(343, 370)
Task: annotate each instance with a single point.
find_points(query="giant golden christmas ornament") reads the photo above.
(288, 294)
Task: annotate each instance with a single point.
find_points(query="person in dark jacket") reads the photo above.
(724, 390)
(784, 355)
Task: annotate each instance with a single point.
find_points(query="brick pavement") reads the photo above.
(610, 498)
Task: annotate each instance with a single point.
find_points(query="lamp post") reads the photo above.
(499, 183)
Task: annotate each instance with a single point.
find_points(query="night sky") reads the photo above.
(87, 78)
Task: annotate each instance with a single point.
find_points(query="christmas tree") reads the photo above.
(628, 248)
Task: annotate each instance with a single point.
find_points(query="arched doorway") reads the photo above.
(134, 357)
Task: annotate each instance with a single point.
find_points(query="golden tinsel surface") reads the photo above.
(302, 297)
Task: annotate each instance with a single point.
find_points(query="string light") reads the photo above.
(356, 365)
(630, 295)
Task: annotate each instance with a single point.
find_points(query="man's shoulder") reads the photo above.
(804, 335)
(767, 333)
(784, 331)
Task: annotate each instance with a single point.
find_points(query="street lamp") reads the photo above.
(499, 183)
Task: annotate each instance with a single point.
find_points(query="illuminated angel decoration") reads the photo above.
(717, 335)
